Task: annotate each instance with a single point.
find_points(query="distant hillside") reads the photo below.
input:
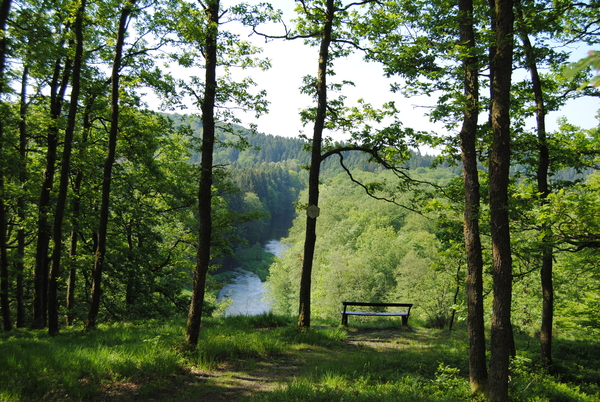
(270, 172)
(290, 152)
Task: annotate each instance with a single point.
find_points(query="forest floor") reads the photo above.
(267, 359)
(243, 379)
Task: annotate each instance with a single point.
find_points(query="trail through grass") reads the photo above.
(266, 358)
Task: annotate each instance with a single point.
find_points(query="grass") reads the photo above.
(267, 359)
(77, 365)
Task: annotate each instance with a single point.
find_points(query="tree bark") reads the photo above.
(108, 165)
(4, 277)
(21, 203)
(468, 138)
(499, 164)
(206, 179)
(53, 314)
(543, 191)
(547, 304)
(58, 88)
(72, 279)
(315, 166)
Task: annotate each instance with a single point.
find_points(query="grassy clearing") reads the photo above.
(267, 359)
(77, 365)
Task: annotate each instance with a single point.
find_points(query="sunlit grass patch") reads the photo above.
(247, 337)
(74, 365)
(267, 358)
(336, 387)
(220, 344)
(321, 336)
(265, 320)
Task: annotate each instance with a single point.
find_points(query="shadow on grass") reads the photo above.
(268, 359)
(577, 361)
(574, 360)
(79, 366)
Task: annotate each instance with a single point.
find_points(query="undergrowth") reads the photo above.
(75, 365)
(325, 363)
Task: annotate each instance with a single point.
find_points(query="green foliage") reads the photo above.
(531, 385)
(75, 365)
(317, 364)
(577, 292)
(148, 262)
(255, 259)
(591, 60)
(571, 228)
(368, 250)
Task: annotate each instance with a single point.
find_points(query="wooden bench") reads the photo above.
(403, 314)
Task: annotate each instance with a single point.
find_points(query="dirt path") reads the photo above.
(243, 379)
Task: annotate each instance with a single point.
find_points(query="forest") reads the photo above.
(113, 210)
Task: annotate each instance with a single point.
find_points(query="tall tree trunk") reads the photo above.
(315, 167)
(206, 176)
(130, 289)
(499, 164)
(21, 201)
(455, 298)
(544, 191)
(72, 279)
(4, 277)
(108, 166)
(58, 88)
(61, 202)
(547, 301)
(468, 138)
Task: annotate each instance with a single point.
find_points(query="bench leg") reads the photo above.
(404, 320)
(344, 320)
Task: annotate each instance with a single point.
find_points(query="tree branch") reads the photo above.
(369, 192)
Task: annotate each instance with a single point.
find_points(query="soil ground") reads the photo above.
(243, 379)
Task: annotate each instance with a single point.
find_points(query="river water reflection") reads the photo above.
(247, 291)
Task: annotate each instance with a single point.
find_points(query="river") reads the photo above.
(247, 291)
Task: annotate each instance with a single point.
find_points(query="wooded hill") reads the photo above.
(270, 173)
(274, 168)
(103, 217)
(151, 249)
(151, 240)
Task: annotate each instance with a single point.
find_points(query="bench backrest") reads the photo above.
(346, 304)
(377, 304)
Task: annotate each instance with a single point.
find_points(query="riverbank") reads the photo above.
(245, 292)
(276, 247)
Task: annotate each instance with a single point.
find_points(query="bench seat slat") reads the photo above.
(404, 315)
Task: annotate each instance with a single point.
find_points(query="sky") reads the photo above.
(291, 60)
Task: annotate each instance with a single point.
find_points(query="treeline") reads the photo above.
(151, 218)
(151, 234)
(270, 172)
(413, 251)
